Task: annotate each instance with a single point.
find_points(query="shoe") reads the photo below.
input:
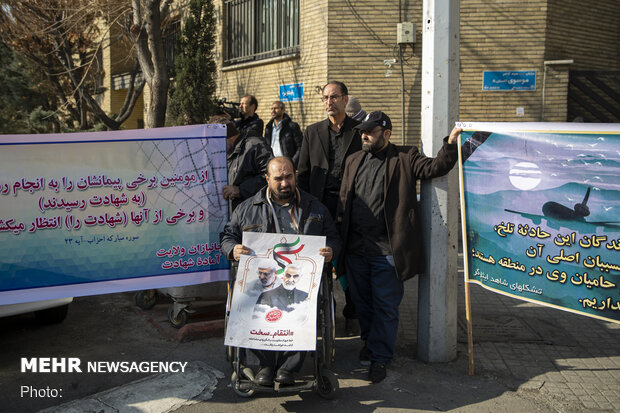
(352, 327)
(377, 372)
(264, 377)
(285, 377)
(365, 356)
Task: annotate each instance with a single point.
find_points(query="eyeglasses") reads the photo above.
(276, 108)
(288, 275)
(331, 98)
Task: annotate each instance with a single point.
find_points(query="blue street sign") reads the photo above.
(514, 80)
(293, 92)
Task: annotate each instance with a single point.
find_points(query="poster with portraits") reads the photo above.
(275, 294)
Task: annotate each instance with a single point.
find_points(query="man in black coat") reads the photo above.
(249, 124)
(325, 147)
(382, 241)
(247, 158)
(282, 134)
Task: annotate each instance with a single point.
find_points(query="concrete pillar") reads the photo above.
(437, 303)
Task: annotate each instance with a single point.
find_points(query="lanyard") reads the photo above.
(294, 211)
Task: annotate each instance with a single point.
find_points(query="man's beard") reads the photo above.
(288, 286)
(284, 194)
(375, 146)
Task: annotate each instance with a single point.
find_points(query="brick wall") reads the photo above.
(263, 79)
(501, 35)
(362, 34)
(588, 32)
(349, 40)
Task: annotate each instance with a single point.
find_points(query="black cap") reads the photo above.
(374, 119)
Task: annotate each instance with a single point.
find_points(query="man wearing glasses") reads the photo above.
(267, 278)
(382, 242)
(325, 147)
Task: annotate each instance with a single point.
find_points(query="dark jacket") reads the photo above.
(313, 164)
(282, 298)
(250, 126)
(247, 165)
(290, 138)
(254, 215)
(404, 166)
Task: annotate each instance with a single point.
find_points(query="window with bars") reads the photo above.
(260, 29)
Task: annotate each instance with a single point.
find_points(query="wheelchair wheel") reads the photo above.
(229, 350)
(327, 324)
(327, 384)
(146, 299)
(235, 383)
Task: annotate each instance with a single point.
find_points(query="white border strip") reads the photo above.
(540, 126)
(112, 286)
(178, 132)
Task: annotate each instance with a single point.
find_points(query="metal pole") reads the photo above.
(438, 287)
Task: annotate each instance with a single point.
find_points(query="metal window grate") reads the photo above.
(260, 29)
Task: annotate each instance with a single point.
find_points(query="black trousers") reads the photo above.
(287, 360)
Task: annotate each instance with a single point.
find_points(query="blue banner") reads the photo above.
(541, 213)
(94, 213)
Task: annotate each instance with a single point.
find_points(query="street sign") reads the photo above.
(514, 80)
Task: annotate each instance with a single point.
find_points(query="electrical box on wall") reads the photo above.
(405, 33)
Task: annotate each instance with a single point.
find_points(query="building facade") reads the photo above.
(520, 61)
(537, 44)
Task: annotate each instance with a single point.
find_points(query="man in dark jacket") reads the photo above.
(279, 208)
(249, 124)
(382, 242)
(247, 158)
(325, 146)
(282, 134)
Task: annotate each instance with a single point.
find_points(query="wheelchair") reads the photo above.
(324, 381)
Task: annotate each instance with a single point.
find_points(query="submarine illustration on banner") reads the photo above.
(555, 213)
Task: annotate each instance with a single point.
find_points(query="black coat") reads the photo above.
(404, 166)
(254, 215)
(313, 164)
(247, 165)
(282, 298)
(290, 138)
(250, 126)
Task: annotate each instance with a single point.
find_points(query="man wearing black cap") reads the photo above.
(382, 242)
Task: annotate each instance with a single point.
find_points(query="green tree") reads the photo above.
(193, 96)
(24, 91)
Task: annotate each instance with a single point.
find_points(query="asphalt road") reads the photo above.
(111, 328)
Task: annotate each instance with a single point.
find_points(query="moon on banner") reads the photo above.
(525, 176)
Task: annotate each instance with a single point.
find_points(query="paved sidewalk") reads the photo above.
(573, 359)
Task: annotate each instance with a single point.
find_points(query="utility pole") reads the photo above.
(438, 287)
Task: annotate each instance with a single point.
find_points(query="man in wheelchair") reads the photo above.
(280, 207)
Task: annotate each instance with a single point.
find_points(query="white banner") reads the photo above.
(275, 293)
